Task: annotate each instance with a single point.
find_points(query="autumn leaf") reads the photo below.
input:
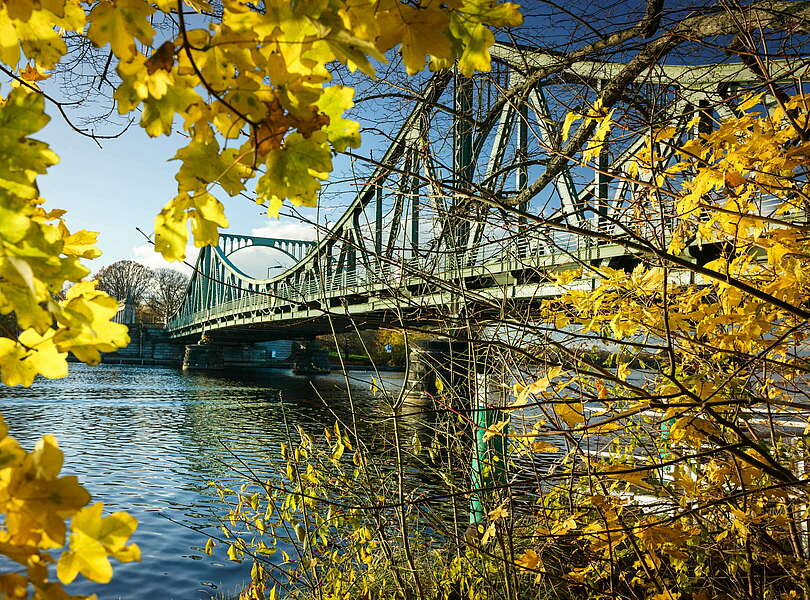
(162, 58)
(495, 429)
(93, 539)
(570, 412)
(733, 179)
(500, 512)
(570, 118)
(627, 473)
(119, 23)
(342, 133)
(421, 32)
(33, 74)
(541, 446)
(529, 560)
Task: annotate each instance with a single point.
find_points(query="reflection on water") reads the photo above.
(148, 441)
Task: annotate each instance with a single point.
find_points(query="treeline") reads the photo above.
(155, 293)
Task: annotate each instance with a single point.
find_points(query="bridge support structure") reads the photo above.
(310, 359)
(448, 373)
(204, 357)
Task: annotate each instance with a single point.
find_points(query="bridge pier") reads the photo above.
(310, 359)
(204, 356)
(434, 365)
(450, 369)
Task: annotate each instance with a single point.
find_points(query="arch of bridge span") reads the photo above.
(699, 85)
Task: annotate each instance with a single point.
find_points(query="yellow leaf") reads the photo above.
(566, 276)
(209, 546)
(419, 30)
(529, 560)
(32, 355)
(749, 101)
(636, 477)
(498, 513)
(495, 429)
(733, 179)
(570, 119)
(571, 413)
(597, 143)
(119, 23)
(92, 539)
(488, 534)
(540, 446)
(46, 458)
(33, 74)
(87, 330)
(234, 553)
(342, 133)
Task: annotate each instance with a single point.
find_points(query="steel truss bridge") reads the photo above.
(433, 230)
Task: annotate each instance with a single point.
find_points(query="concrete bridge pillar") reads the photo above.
(435, 364)
(204, 356)
(310, 359)
(452, 370)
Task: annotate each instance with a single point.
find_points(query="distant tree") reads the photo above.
(126, 279)
(167, 293)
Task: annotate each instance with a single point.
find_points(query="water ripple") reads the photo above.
(148, 440)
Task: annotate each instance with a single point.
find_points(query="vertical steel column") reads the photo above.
(413, 194)
(378, 226)
(601, 180)
(522, 172)
(205, 275)
(459, 227)
(488, 460)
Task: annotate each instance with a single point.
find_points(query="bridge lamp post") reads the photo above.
(270, 268)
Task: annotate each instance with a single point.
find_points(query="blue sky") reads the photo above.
(122, 186)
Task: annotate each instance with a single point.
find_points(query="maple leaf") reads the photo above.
(571, 413)
(119, 23)
(161, 59)
(22, 158)
(92, 540)
(294, 171)
(342, 133)
(33, 74)
(529, 560)
(420, 30)
(158, 113)
(87, 328)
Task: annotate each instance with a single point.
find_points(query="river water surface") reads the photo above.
(148, 440)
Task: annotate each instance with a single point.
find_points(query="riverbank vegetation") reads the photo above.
(151, 295)
(655, 409)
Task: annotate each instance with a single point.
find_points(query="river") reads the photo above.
(148, 440)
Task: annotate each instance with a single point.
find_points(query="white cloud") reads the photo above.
(286, 229)
(146, 255)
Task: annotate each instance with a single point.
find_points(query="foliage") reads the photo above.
(707, 426)
(253, 76)
(169, 286)
(673, 398)
(383, 347)
(38, 257)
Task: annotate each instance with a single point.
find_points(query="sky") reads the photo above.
(120, 187)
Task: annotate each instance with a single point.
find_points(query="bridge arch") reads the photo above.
(433, 207)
